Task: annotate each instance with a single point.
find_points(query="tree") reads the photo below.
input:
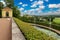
(1, 6)
(9, 3)
(49, 17)
(16, 12)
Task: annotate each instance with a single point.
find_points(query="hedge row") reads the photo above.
(53, 25)
(31, 33)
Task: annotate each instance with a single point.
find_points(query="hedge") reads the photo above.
(30, 32)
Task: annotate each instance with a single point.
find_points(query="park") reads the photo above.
(13, 26)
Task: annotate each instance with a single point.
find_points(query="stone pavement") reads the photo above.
(5, 29)
(16, 33)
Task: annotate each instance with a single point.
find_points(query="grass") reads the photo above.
(30, 32)
(57, 20)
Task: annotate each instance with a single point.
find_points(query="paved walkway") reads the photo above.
(16, 33)
(5, 29)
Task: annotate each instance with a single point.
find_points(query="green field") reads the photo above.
(57, 20)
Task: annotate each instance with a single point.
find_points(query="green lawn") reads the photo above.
(57, 20)
(30, 32)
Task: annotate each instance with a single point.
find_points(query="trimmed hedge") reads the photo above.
(53, 25)
(30, 32)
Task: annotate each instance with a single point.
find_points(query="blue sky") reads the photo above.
(38, 7)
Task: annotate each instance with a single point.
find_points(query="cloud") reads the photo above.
(31, 0)
(25, 5)
(41, 13)
(46, 0)
(33, 11)
(57, 12)
(40, 2)
(25, 11)
(54, 5)
(41, 7)
(21, 9)
(34, 4)
(29, 11)
(20, 3)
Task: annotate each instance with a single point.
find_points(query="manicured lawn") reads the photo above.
(57, 20)
(30, 32)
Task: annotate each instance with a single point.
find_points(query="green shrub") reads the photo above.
(53, 25)
(30, 32)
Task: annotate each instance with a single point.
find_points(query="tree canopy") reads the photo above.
(1, 6)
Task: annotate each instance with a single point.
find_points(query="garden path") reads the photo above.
(16, 33)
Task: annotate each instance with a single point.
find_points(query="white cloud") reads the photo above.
(21, 9)
(25, 11)
(58, 5)
(29, 11)
(40, 2)
(41, 7)
(31, 0)
(33, 11)
(54, 5)
(20, 3)
(57, 12)
(34, 4)
(54, 13)
(39, 12)
(46, 0)
(25, 5)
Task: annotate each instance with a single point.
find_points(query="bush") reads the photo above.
(56, 26)
(53, 25)
(30, 32)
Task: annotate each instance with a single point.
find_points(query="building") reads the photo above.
(7, 12)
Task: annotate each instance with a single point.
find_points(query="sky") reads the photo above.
(38, 7)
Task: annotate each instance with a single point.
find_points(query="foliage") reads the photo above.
(49, 18)
(36, 20)
(16, 12)
(27, 19)
(30, 32)
(9, 3)
(1, 6)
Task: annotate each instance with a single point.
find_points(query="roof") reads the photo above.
(6, 8)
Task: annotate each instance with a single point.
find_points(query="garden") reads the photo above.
(45, 21)
(30, 32)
